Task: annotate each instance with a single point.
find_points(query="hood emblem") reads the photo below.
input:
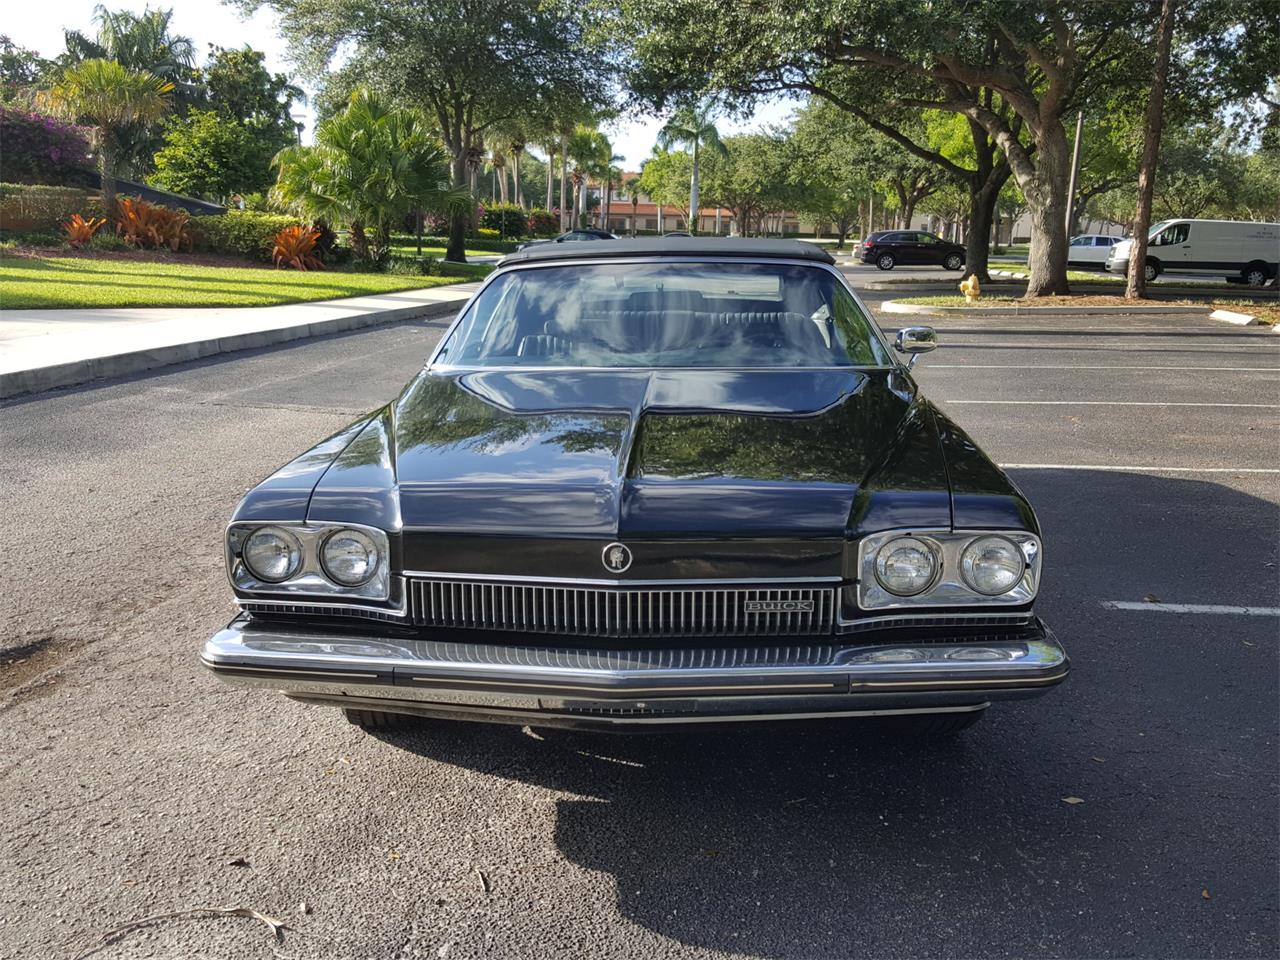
(616, 558)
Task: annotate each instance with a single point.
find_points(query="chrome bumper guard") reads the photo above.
(605, 687)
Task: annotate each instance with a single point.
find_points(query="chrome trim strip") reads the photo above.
(575, 718)
(927, 619)
(574, 581)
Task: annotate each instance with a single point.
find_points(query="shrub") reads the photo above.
(80, 231)
(144, 224)
(41, 209)
(242, 233)
(508, 219)
(107, 240)
(435, 223)
(472, 243)
(40, 149)
(543, 223)
(296, 247)
(484, 233)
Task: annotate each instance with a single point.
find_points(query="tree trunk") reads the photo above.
(1046, 194)
(1136, 288)
(107, 167)
(635, 204)
(983, 197)
(551, 173)
(564, 182)
(659, 219)
(515, 176)
(693, 193)
(455, 251)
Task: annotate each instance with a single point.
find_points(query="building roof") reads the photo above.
(671, 247)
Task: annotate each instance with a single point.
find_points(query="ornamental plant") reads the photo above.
(296, 247)
(508, 219)
(144, 224)
(42, 149)
(79, 231)
(543, 223)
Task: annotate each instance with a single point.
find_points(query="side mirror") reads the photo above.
(915, 341)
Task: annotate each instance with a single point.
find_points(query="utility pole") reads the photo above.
(1075, 173)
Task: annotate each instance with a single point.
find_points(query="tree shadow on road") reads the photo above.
(834, 840)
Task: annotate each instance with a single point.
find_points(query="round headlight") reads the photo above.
(992, 565)
(906, 566)
(272, 554)
(349, 557)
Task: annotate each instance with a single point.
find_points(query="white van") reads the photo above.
(1235, 249)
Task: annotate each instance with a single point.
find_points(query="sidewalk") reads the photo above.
(42, 349)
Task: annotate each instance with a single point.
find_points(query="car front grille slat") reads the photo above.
(605, 611)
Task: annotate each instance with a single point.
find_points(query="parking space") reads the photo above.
(137, 785)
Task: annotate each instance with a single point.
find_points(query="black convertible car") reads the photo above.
(646, 482)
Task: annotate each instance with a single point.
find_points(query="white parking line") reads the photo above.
(1087, 366)
(1192, 608)
(1135, 468)
(1122, 403)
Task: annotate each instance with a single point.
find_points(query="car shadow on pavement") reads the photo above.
(1069, 825)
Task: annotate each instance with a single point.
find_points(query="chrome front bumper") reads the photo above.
(606, 687)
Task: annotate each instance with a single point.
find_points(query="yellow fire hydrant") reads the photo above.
(971, 289)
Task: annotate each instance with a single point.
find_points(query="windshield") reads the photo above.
(665, 315)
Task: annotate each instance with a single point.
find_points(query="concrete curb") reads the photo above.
(1230, 316)
(893, 306)
(17, 382)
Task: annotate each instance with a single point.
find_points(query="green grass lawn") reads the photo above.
(69, 282)
(401, 249)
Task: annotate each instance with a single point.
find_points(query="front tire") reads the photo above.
(885, 261)
(373, 720)
(931, 726)
(1255, 275)
(1153, 269)
(953, 262)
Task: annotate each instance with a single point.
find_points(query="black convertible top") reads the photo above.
(670, 247)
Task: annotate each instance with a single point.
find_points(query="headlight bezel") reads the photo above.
(311, 578)
(949, 587)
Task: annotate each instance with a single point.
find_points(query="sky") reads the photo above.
(39, 27)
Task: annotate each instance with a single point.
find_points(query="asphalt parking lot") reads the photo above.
(134, 785)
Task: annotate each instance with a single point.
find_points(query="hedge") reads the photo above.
(475, 243)
(26, 208)
(241, 233)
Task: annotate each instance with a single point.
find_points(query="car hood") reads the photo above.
(618, 454)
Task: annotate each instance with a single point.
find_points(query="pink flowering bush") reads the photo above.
(40, 149)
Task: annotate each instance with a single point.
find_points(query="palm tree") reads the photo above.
(633, 190)
(141, 42)
(498, 164)
(105, 96)
(371, 165)
(692, 126)
(612, 175)
(591, 152)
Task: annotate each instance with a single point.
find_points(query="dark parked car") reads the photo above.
(889, 248)
(639, 483)
(583, 233)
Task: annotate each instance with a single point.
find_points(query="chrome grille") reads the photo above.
(590, 611)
